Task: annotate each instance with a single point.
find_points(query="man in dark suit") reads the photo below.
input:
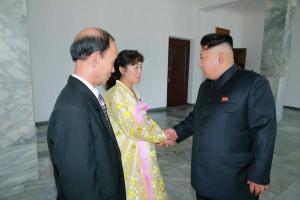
(233, 125)
(83, 149)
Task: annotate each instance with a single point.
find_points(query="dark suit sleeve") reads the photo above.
(262, 121)
(185, 128)
(73, 153)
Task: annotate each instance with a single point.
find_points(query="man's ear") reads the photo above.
(99, 57)
(94, 59)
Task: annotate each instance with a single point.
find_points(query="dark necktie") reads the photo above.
(103, 106)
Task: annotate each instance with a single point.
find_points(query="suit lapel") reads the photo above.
(108, 126)
(94, 101)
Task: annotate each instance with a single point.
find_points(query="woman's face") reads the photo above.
(132, 73)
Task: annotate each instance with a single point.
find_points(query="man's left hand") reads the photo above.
(257, 189)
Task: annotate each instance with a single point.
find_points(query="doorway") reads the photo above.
(178, 71)
(240, 57)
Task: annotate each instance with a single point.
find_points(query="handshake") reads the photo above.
(171, 137)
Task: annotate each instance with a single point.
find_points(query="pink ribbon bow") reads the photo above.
(140, 109)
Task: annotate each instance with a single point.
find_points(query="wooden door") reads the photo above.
(240, 56)
(178, 71)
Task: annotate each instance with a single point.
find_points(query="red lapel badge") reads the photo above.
(224, 99)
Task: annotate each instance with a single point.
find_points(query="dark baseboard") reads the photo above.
(157, 109)
(290, 107)
(43, 123)
(165, 108)
(191, 104)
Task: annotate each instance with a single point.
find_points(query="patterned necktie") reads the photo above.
(103, 106)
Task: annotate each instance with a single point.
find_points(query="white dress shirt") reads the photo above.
(93, 89)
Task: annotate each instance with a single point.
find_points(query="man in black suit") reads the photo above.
(83, 149)
(233, 125)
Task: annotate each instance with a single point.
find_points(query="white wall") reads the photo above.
(135, 24)
(142, 25)
(226, 19)
(252, 13)
(253, 31)
(292, 92)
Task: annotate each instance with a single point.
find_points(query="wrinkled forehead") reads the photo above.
(112, 52)
(113, 45)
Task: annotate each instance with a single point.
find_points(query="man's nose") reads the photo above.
(200, 63)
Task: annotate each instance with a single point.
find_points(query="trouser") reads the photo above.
(201, 198)
(205, 198)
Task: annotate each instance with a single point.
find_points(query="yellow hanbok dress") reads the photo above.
(136, 134)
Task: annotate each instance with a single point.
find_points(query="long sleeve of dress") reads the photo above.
(121, 110)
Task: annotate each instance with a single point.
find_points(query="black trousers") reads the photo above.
(204, 198)
(201, 198)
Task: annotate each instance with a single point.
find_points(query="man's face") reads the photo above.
(105, 66)
(209, 61)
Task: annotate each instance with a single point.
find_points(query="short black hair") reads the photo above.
(124, 58)
(85, 46)
(214, 39)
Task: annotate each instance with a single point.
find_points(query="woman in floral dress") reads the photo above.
(135, 131)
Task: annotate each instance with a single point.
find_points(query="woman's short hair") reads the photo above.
(124, 58)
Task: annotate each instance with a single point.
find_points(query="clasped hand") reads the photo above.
(171, 137)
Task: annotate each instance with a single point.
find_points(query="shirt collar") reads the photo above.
(225, 76)
(93, 89)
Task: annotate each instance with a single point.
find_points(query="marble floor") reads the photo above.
(175, 162)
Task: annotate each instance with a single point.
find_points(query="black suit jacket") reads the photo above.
(234, 126)
(83, 149)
